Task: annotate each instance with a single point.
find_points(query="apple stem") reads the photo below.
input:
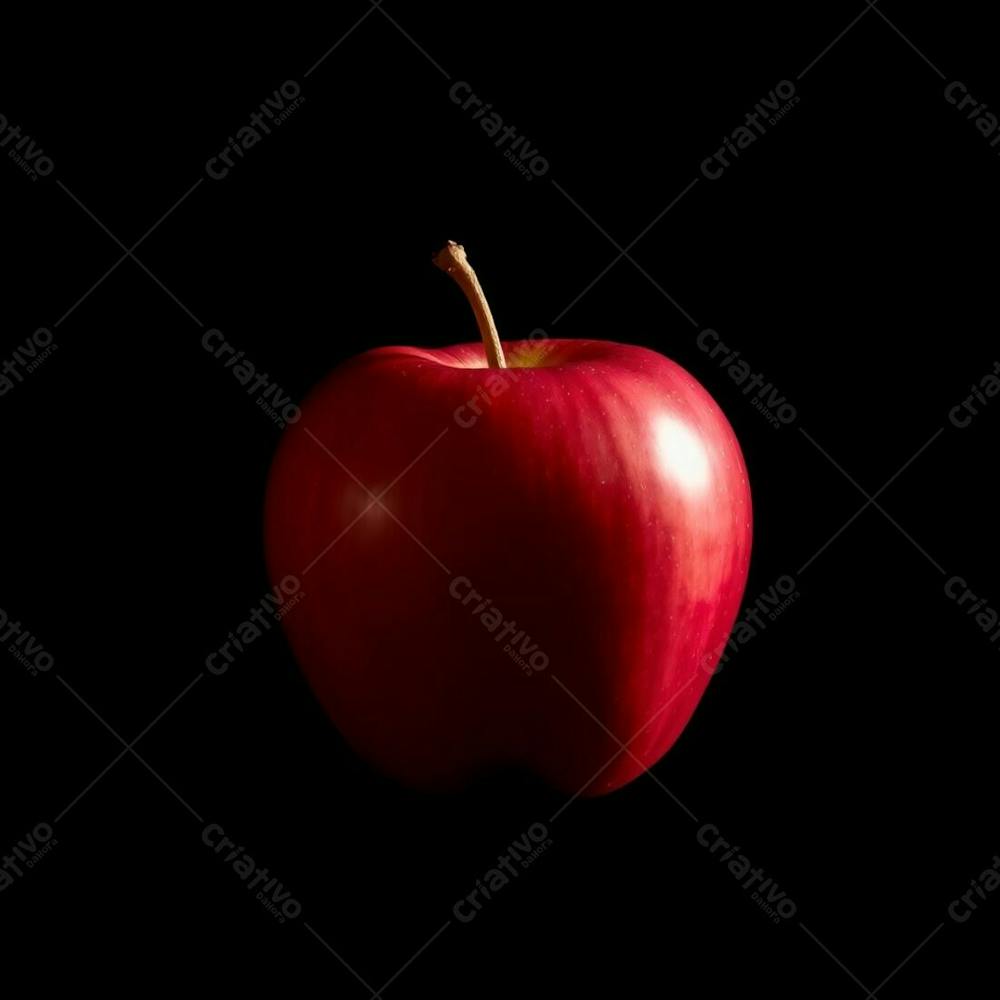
(453, 261)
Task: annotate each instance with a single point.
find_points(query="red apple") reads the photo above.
(554, 562)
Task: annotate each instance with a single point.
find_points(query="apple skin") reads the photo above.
(599, 500)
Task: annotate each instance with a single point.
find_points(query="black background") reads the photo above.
(849, 748)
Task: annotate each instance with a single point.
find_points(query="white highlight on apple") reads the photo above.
(682, 456)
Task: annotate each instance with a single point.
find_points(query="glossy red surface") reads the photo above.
(599, 500)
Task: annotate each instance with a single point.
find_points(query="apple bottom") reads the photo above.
(436, 695)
